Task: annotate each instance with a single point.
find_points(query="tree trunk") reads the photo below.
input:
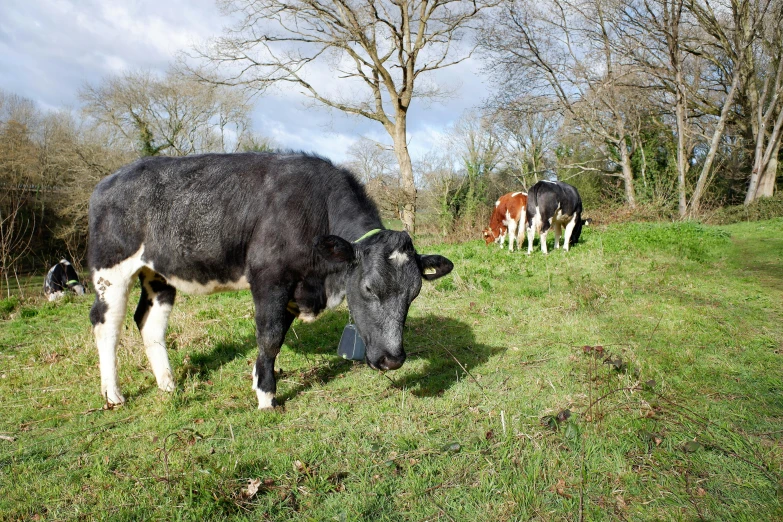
(762, 178)
(682, 160)
(717, 135)
(625, 161)
(766, 188)
(399, 136)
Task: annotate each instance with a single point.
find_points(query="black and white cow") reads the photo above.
(62, 277)
(554, 204)
(290, 227)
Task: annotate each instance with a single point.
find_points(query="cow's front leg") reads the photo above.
(272, 322)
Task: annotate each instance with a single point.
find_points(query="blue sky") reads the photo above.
(50, 48)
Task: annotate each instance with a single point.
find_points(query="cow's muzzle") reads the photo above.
(387, 362)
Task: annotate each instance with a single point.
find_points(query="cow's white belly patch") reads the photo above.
(194, 287)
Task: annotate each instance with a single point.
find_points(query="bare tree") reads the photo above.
(171, 115)
(474, 140)
(19, 181)
(568, 50)
(730, 29)
(765, 97)
(379, 51)
(75, 156)
(527, 129)
(440, 181)
(374, 163)
(659, 33)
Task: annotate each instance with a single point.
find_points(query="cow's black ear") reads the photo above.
(433, 267)
(334, 249)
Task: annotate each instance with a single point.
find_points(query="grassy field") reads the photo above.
(637, 377)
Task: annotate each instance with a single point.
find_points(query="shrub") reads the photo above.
(7, 306)
(759, 210)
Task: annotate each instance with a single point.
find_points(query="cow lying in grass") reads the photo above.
(554, 204)
(61, 278)
(287, 226)
(508, 219)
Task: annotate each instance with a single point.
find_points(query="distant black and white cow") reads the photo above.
(62, 277)
(553, 204)
(287, 226)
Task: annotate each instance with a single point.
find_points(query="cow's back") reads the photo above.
(512, 203)
(546, 196)
(202, 218)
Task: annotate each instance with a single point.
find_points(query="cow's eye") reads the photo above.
(367, 289)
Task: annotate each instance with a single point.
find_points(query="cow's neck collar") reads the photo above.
(368, 234)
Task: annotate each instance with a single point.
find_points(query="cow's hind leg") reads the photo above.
(107, 314)
(569, 229)
(531, 234)
(152, 318)
(272, 322)
(512, 234)
(521, 232)
(557, 227)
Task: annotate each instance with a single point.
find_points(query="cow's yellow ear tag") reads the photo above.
(430, 271)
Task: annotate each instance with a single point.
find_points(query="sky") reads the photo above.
(49, 49)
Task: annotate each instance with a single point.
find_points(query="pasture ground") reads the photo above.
(638, 377)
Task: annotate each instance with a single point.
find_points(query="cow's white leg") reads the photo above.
(152, 317)
(502, 239)
(512, 234)
(521, 232)
(569, 229)
(266, 400)
(531, 234)
(542, 239)
(107, 314)
(557, 229)
(533, 226)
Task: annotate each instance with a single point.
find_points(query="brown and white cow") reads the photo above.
(508, 219)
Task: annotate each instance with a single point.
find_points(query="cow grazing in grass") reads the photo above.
(286, 226)
(61, 278)
(507, 220)
(553, 204)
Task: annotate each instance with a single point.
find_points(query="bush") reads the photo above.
(759, 210)
(7, 306)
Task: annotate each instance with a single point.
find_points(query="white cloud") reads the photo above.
(51, 48)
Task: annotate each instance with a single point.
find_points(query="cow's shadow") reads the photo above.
(441, 349)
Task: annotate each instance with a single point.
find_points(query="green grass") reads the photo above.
(677, 416)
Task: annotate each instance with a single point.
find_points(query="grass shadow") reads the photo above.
(447, 346)
(203, 364)
(450, 352)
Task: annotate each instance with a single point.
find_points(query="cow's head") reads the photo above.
(384, 275)
(71, 278)
(492, 235)
(488, 234)
(578, 229)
